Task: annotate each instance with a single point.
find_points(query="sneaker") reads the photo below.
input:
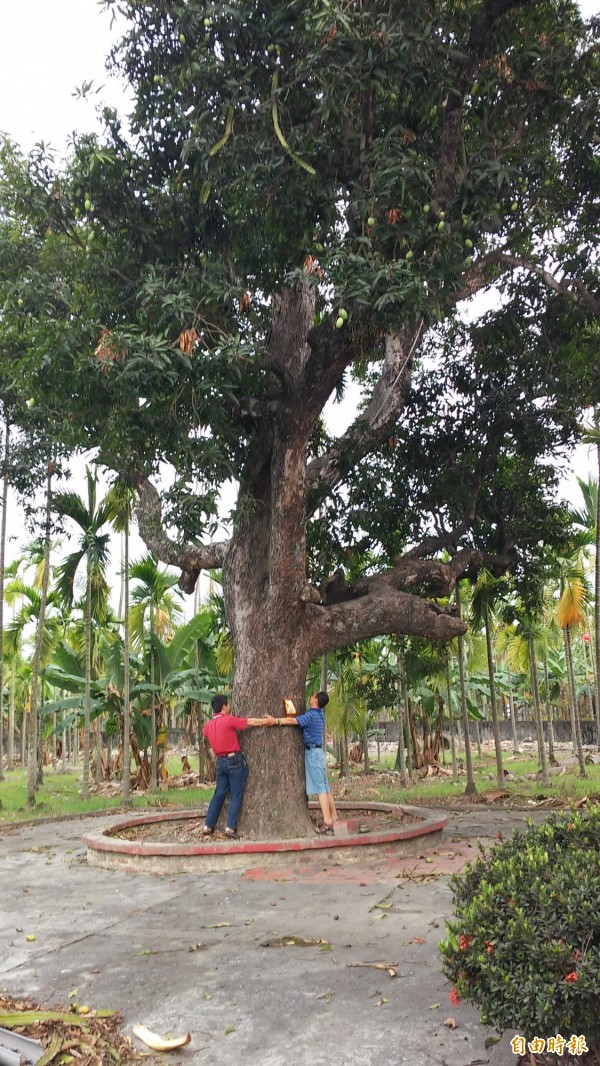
(231, 833)
(207, 831)
(327, 827)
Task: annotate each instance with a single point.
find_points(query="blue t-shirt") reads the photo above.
(312, 724)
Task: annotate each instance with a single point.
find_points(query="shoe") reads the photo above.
(231, 833)
(327, 827)
(207, 831)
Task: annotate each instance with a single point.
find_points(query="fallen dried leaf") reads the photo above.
(296, 942)
(391, 967)
(94, 1040)
(450, 1023)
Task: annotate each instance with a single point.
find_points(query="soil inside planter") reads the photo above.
(189, 830)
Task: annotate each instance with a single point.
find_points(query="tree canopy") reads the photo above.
(305, 197)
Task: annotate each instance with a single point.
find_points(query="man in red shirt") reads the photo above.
(222, 734)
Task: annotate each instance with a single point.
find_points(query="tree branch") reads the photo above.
(384, 611)
(189, 558)
(374, 423)
(475, 279)
(433, 577)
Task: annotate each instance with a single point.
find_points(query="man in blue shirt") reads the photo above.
(312, 724)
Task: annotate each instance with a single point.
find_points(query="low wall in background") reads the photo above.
(525, 731)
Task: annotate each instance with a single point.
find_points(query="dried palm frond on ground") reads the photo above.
(70, 1034)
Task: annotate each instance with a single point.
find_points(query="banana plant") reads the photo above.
(173, 684)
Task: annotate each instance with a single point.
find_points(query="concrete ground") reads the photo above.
(189, 952)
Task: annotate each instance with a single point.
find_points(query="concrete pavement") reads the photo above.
(190, 951)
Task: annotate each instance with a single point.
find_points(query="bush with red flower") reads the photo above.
(524, 942)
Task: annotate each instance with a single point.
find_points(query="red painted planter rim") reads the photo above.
(106, 842)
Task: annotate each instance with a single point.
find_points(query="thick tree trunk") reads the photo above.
(272, 656)
(275, 803)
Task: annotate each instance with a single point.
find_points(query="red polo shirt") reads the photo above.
(221, 733)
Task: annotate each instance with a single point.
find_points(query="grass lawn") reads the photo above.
(60, 793)
(565, 786)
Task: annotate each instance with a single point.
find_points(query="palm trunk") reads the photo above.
(548, 703)
(87, 699)
(597, 607)
(32, 747)
(539, 725)
(414, 742)
(575, 723)
(11, 721)
(54, 728)
(513, 721)
(126, 679)
(411, 755)
(452, 739)
(400, 708)
(365, 733)
(493, 701)
(196, 704)
(471, 789)
(99, 749)
(65, 735)
(2, 558)
(153, 751)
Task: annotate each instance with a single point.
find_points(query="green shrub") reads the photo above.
(524, 943)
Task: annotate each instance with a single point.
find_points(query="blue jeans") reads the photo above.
(232, 773)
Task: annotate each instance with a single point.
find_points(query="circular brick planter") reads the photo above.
(350, 844)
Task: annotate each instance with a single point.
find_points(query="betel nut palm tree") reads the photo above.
(90, 516)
